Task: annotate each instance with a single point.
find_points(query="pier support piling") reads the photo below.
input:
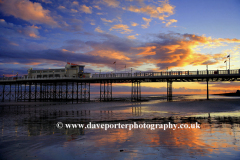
(136, 91)
(106, 91)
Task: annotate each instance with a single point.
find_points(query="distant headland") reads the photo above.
(230, 94)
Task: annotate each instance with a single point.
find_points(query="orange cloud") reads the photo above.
(33, 63)
(28, 11)
(74, 10)
(131, 37)
(65, 50)
(123, 29)
(36, 27)
(147, 21)
(75, 2)
(105, 20)
(181, 51)
(33, 35)
(232, 85)
(111, 3)
(61, 7)
(86, 9)
(100, 13)
(99, 8)
(110, 53)
(119, 19)
(167, 50)
(98, 29)
(134, 24)
(170, 22)
(146, 50)
(161, 12)
(228, 40)
(14, 44)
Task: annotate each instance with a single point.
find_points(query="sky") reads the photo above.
(145, 35)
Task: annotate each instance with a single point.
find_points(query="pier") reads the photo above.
(78, 89)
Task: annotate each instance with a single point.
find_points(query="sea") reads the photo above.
(188, 127)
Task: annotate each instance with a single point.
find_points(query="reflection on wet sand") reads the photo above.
(34, 129)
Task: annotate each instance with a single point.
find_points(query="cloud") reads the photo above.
(105, 20)
(109, 53)
(161, 12)
(147, 21)
(134, 24)
(227, 85)
(123, 29)
(28, 11)
(98, 29)
(24, 57)
(9, 29)
(86, 9)
(65, 50)
(111, 3)
(74, 10)
(74, 25)
(100, 13)
(147, 50)
(169, 22)
(178, 50)
(7, 43)
(165, 50)
(36, 27)
(46, 1)
(61, 7)
(99, 8)
(131, 37)
(75, 3)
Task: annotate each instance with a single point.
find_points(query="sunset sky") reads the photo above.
(146, 35)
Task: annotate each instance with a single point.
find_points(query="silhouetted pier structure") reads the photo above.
(78, 89)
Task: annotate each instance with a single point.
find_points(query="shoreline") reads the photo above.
(228, 94)
(144, 99)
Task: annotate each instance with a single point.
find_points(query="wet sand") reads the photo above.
(29, 130)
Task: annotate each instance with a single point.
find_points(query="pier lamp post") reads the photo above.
(226, 63)
(53, 74)
(229, 60)
(131, 72)
(3, 76)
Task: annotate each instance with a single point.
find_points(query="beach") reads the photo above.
(31, 131)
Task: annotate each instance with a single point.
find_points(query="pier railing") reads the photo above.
(139, 74)
(168, 73)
